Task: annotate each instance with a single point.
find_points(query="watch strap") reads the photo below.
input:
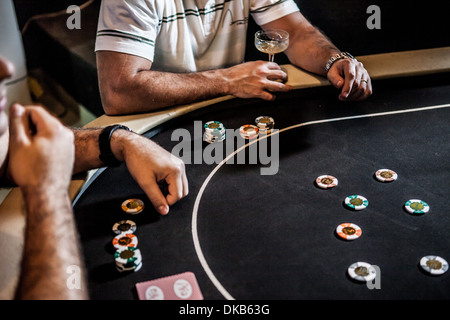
(104, 142)
(339, 56)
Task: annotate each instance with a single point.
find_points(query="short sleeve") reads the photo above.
(265, 11)
(128, 26)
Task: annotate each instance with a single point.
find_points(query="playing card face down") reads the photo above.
(181, 286)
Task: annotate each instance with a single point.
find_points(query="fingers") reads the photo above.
(167, 192)
(256, 79)
(176, 189)
(26, 122)
(42, 121)
(18, 125)
(352, 78)
(156, 197)
(273, 81)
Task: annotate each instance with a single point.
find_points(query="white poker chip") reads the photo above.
(362, 271)
(356, 202)
(434, 265)
(326, 181)
(386, 175)
(265, 122)
(124, 226)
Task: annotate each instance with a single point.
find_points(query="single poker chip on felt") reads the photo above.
(362, 271)
(326, 181)
(133, 206)
(417, 207)
(124, 226)
(386, 175)
(125, 240)
(434, 265)
(348, 231)
(356, 202)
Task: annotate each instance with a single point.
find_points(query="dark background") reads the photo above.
(68, 55)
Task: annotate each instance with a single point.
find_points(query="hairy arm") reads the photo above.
(310, 49)
(147, 162)
(51, 247)
(128, 85)
(51, 241)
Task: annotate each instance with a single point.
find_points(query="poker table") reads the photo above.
(253, 229)
(249, 236)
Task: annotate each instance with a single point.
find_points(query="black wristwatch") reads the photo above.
(104, 142)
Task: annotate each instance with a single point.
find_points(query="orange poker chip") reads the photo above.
(348, 231)
(249, 131)
(125, 240)
(133, 206)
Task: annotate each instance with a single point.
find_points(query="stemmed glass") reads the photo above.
(271, 41)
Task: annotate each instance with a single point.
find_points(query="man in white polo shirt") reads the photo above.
(157, 53)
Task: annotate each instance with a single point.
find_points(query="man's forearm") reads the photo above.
(128, 85)
(311, 50)
(153, 90)
(51, 247)
(308, 48)
(87, 149)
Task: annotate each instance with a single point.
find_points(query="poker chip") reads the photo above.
(128, 259)
(417, 207)
(362, 271)
(348, 231)
(133, 206)
(124, 226)
(434, 265)
(386, 175)
(214, 131)
(356, 202)
(265, 124)
(125, 240)
(326, 182)
(249, 131)
(213, 126)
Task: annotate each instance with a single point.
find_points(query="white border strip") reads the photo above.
(195, 237)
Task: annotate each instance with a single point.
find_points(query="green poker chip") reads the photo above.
(356, 202)
(128, 255)
(417, 207)
(214, 126)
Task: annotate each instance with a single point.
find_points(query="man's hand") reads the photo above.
(256, 79)
(42, 149)
(41, 162)
(150, 166)
(352, 78)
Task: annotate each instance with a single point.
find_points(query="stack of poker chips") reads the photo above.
(128, 259)
(265, 124)
(214, 132)
(127, 256)
(249, 131)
